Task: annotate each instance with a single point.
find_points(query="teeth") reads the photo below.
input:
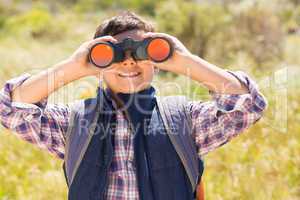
(129, 74)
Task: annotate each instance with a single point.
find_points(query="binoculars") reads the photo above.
(157, 49)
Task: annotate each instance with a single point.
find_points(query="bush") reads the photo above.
(222, 35)
(192, 23)
(260, 35)
(36, 23)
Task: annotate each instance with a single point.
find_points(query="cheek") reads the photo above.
(148, 68)
(149, 73)
(110, 72)
(109, 77)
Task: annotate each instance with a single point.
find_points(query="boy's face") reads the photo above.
(129, 76)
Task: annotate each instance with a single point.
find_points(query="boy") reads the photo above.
(114, 145)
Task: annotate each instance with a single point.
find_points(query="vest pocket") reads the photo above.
(165, 161)
(161, 152)
(170, 182)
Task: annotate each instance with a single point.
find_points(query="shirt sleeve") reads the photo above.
(41, 124)
(216, 122)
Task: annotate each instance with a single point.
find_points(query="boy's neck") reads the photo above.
(139, 98)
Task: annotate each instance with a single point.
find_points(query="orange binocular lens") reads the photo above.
(102, 54)
(158, 49)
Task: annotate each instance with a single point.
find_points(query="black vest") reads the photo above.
(170, 180)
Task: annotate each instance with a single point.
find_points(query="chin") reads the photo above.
(133, 89)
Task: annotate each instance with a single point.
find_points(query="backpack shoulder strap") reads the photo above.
(74, 107)
(87, 110)
(178, 123)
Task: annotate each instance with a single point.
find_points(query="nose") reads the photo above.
(128, 61)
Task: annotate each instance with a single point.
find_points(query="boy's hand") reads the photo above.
(176, 61)
(80, 61)
(41, 85)
(184, 62)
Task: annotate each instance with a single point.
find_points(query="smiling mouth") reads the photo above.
(129, 74)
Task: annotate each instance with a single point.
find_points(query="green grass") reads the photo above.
(27, 172)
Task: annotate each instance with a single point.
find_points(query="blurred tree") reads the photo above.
(194, 24)
(295, 2)
(147, 7)
(214, 32)
(260, 35)
(34, 23)
(94, 5)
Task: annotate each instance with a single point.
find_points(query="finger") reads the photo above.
(170, 38)
(154, 34)
(102, 39)
(106, 38)
(148, 34)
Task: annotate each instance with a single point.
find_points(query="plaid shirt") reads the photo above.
(214, 123)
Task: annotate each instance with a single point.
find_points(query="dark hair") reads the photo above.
(125, 21)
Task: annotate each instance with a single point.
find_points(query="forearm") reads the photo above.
(214, 78)
(41, 85)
